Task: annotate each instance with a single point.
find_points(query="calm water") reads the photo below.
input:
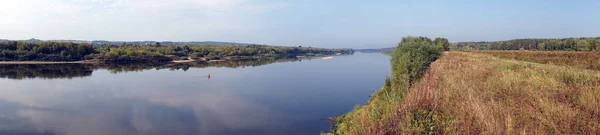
(251, 97)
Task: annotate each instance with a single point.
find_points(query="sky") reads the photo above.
(320, 23)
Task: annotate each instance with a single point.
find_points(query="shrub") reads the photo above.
(412, 56)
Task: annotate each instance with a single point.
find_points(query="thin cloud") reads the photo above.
(129, 19)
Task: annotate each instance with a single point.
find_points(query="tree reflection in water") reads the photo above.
(68, 71)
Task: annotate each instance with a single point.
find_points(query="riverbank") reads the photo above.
(189, 60)
(68, 52)
(45, 62)
(380, 115)
(81, 62)
(184, 61)
(472, 93)
(192, 60)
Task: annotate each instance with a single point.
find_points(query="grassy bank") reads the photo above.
(409, 61)
(473, 93)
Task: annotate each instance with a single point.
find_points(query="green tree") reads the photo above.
(442, 43)
(594, 44)
(583, 45)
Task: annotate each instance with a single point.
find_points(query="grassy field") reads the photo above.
(478, 93)
(587, 60)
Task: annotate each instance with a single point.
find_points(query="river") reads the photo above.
(290, 96)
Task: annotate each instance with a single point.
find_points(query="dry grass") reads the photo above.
(497, 96)
(470, 93)
(586, 60)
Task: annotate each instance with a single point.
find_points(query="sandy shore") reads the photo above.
(187, 61)
(192, 60)
(215, 60)
(182, 61)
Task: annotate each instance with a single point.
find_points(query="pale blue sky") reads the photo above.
(322, 23)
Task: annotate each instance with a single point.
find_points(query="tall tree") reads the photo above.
(583, 45)
(594, 44)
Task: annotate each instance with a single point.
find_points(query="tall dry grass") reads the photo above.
(471, 93)
(489, 95)
(586, 59)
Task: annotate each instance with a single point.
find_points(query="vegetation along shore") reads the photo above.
(20, 52)
(482, 92)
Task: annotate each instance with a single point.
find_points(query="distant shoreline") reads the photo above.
(189, 60)
(79, 62)
(44, 62)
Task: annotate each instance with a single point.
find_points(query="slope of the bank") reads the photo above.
(468, 93)
(409, 62)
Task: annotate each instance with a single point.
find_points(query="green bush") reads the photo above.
(410, 60)
(443, 43)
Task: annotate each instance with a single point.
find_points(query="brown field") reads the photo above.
(475, 93)
(587, 59)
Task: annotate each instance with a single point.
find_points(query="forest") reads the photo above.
(44, 51)
(564, 44)
(68, 51)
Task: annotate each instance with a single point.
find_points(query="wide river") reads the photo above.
(264, 97)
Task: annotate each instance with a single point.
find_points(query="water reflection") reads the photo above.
(45, 71)
(288, 98)
(68, 71)
(103, 114)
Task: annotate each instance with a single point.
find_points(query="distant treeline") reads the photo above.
(564, 44)
(44, 51)
(378, 50)
(105, 42)
(68, 51)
